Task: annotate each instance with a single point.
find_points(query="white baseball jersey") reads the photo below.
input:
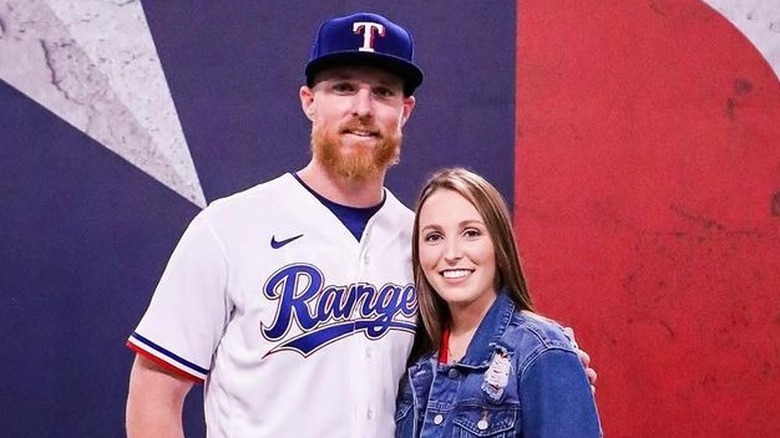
(297, 329)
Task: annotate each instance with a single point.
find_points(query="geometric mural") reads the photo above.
(759, 21)
(637, 144)
(94, 64)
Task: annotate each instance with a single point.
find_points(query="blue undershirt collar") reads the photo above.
(354, 218)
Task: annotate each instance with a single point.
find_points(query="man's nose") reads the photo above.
(363, 104)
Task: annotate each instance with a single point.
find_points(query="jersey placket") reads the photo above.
(354, 375)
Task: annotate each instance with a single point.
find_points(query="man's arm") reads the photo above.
(155, 401)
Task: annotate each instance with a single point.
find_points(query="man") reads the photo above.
(293, 301)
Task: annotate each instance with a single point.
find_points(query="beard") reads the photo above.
(365, 161)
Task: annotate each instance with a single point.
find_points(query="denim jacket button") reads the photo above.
(453, 373)
(438, 419)
(482, 424)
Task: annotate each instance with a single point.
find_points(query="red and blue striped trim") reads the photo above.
(166, 358)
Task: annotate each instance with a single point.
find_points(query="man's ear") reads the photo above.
(307, 101)
(409, 103)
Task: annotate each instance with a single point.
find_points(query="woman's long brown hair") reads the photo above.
(434, 314)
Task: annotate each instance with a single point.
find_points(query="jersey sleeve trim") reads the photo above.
(177, 364)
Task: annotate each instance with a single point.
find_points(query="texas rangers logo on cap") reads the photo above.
(369, 30)
(365, 39)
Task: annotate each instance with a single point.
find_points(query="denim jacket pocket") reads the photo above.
(402, 410)
(478, 421)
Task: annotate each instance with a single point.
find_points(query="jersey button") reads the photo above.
(370, 413)
(438, 419)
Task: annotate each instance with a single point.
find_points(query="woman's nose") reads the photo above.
(452, 251)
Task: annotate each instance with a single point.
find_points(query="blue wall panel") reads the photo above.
(85, 235)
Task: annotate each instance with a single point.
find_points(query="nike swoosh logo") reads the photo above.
(276, 244)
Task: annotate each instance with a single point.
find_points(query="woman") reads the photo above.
(483, 364)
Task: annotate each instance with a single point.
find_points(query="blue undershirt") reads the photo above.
(354, 218)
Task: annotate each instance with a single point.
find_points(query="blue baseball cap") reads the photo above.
(365, 39)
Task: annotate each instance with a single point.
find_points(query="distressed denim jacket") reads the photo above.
(520, 377)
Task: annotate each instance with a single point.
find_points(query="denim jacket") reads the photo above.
(520, 377)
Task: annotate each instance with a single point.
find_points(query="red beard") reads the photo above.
(364, 161)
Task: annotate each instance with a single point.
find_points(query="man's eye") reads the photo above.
(384, 92)
(343, 87)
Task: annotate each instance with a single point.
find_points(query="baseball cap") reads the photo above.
(365, 38)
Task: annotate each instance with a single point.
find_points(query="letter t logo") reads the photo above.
(369, 30)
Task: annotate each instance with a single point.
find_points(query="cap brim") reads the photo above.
(408, 72)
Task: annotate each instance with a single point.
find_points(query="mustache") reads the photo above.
(358, 125)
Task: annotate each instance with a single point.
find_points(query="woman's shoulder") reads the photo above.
(536, 333)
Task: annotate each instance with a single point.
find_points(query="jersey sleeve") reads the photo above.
(556, 398)
(190, 308)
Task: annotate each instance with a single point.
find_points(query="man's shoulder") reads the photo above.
(276, 188)
(397, 208)
(254, 205)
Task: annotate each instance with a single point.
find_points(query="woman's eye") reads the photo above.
(471, 232)
(432, 237)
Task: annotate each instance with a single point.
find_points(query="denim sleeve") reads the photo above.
(555, 397)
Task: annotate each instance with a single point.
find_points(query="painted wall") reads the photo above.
(637, 142)
(647, 187)
(117, 118)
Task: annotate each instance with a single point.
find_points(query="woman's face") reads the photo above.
(456, 250)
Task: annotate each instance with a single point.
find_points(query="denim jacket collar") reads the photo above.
(489, 333)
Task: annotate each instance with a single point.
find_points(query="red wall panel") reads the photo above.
(647, 203)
